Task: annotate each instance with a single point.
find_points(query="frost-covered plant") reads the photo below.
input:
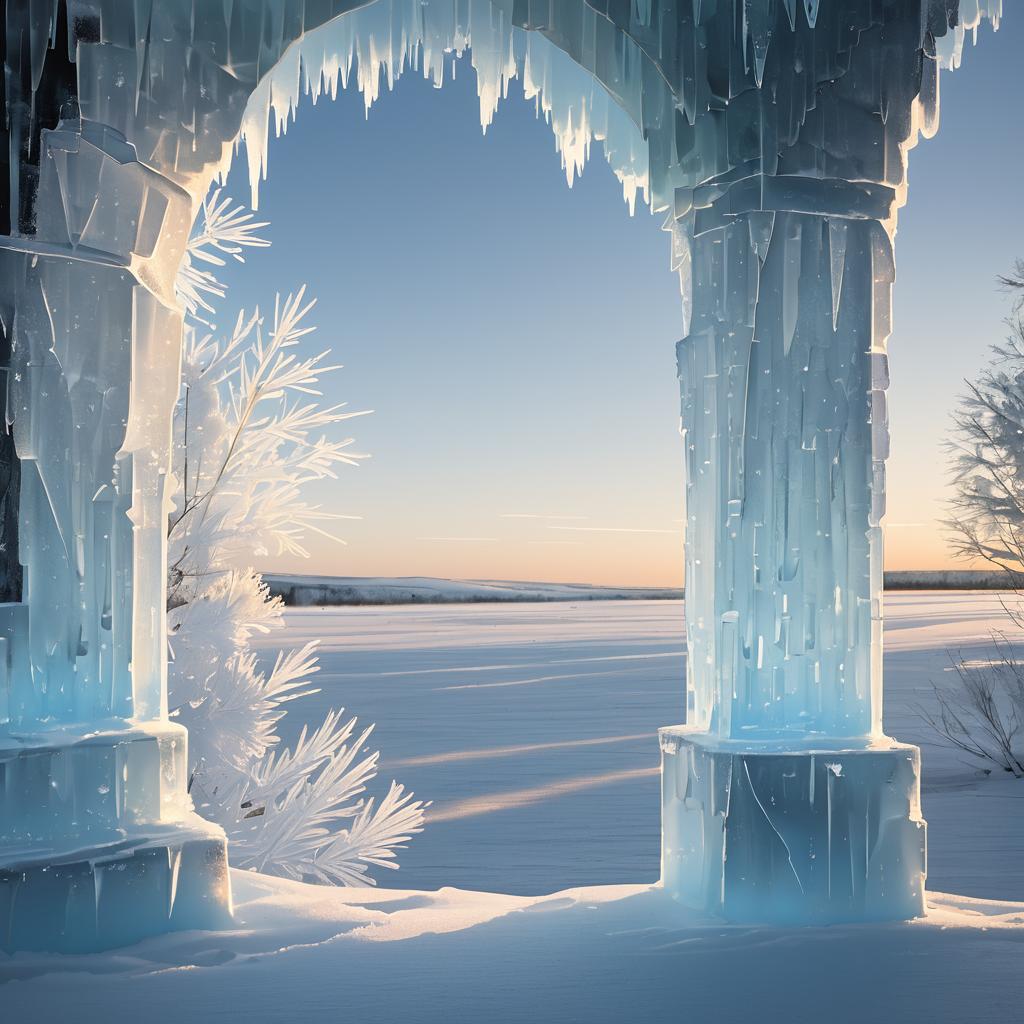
(222, 232)
(249, 435)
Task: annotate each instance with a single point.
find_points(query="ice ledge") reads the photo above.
(761, 833)
(84, 783)
(166, 877)
(671, 736)
(99, 846)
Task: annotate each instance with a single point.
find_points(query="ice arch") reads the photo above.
(773, 136)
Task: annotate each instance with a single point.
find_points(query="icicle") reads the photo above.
(837, 251)
(98, 872)
(173, 871)
(757, 22)
(386, 38)
(791, 286)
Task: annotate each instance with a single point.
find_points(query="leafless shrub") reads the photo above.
(983, 715)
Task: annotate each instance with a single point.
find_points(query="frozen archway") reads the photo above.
(773, 135)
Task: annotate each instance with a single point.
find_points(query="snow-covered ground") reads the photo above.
(532, 729)
(607, 955)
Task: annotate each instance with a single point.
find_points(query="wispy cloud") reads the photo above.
(533, 515)
(571, 543)
(460, 540)
(611, 529)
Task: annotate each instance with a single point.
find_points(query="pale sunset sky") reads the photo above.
(515, 339)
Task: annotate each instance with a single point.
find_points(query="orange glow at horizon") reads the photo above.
(613, 556)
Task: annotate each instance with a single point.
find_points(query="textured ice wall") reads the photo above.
(84, 333)
(719, 113)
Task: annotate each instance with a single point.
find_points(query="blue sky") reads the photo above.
(515, 338)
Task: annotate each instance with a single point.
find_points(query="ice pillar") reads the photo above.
(783, 411)
(782, 798)
(98, 842)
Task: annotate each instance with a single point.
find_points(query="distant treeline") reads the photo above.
(948, 579)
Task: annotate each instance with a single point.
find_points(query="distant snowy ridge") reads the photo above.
(305, 591)
(335, 590)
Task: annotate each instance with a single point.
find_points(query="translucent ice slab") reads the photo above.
(792, 837)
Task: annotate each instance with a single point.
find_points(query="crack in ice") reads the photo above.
(789, 855)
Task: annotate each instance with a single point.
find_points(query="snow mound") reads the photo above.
(608, 953)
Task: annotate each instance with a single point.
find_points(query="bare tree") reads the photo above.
(983, 715)
(987, 454)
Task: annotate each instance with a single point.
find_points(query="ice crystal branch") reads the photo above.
(249, 436)
(223, 233)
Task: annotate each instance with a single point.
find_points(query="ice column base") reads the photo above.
(99, 846)
(792, 837)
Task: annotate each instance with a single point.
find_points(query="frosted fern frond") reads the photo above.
(194, 287)
(214, 359)
(246, 450)
(280, 773)
(371, 840)
(225, 230)
(218, 691)
(298, 834)
(297, 803)
(223, 233)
